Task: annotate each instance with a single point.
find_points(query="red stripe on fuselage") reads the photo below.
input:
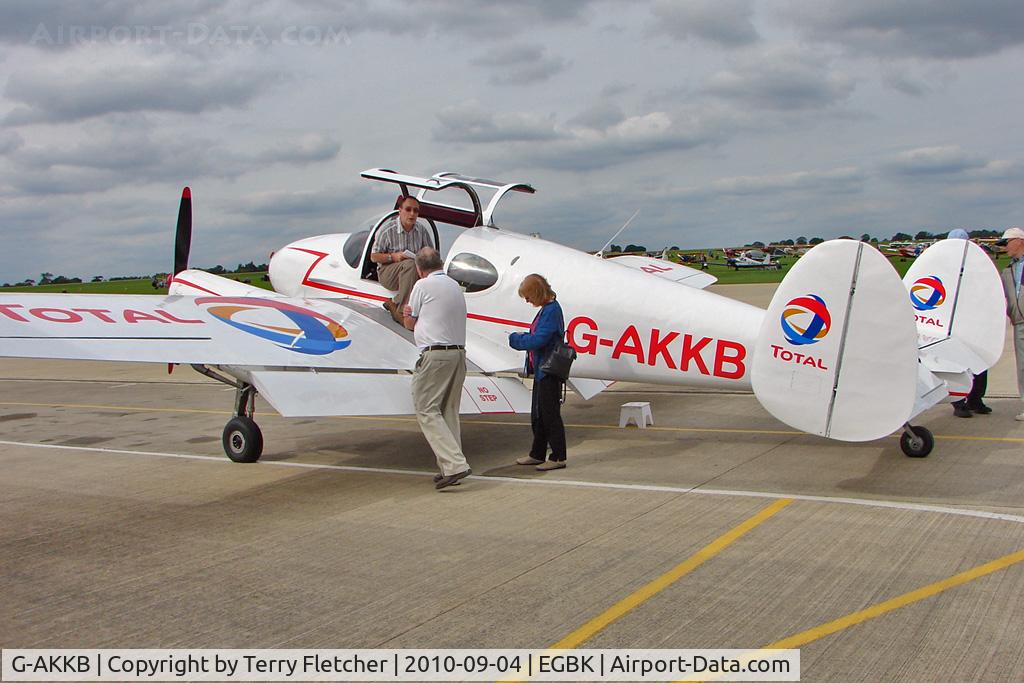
(499, 321)
(376, 297)
(195, 286)
(331, 288)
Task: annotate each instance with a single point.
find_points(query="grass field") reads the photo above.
(725, 275)
(141, 286)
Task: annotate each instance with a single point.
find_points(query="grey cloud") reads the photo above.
(905, 84)
(520, 65)
(1000, 169)
(725, 22)
(64, 24)
(445, 18)
(470, 122)
(62, 181)
(632, 138)
(616, 89)
(309, 148)
(84, 92)
(109, 156)
(474, 17)
(916, 83)
(921, 28)
(9, 141)
(932, 161)
(586, 143)
(134, 155)
(793, 188)
(781, 80)
(600, 116)
(846, 179)
(326, 202)
(47, 24)
(20, 19)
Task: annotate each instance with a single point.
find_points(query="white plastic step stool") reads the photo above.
(637, 412)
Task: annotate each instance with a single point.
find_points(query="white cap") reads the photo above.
(1011, 234)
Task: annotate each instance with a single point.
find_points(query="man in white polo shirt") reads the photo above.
(436, 313)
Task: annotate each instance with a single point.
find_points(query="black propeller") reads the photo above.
(183, 233)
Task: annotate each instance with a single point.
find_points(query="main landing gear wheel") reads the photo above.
(916, 442)
(243, 440)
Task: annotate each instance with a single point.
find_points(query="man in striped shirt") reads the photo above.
(393, 251)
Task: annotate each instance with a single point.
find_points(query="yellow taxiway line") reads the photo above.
(645, 593)
(812, 634)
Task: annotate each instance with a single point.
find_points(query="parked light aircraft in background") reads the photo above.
(845, 350)
(904, 249)
(753, 258)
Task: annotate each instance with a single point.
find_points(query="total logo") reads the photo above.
(805, 320)
(927, 293)
(309, 332)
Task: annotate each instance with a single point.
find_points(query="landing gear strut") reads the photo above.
(242, 438)
(916, 442)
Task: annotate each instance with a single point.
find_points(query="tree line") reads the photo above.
(51, 279)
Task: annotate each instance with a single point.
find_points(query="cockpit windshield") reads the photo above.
(353, 249)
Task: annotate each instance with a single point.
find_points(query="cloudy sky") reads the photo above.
(723, 121)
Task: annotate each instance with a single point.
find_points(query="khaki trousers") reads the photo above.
(401, 276)
(436, 394)
(1018, 353)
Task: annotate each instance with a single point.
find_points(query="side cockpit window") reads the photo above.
(353, 249)
(473, 273)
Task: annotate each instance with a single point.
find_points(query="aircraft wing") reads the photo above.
(323, 393)
(684, 275)
(212, 330)
(306, 357)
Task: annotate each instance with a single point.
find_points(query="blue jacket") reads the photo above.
(547, 327)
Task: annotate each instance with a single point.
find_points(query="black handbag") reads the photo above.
(559, 360)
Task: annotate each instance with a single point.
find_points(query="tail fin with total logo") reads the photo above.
(958, 304)
(837, 353)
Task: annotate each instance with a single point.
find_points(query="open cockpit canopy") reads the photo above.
(448, 213)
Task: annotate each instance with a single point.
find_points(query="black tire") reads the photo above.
(242, 440)
(918, 447)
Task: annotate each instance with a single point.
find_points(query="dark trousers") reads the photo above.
(977, 389)
(546, 419)
(973, 399)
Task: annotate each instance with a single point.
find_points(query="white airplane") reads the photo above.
(754, 258)
(842, 351)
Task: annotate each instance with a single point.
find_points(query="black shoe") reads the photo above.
(452, 480)
(438, 477)
(960, 410)
(980, 409)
